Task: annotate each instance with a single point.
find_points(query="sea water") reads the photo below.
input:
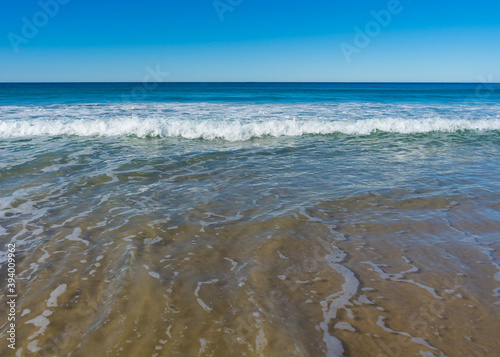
(251, 219)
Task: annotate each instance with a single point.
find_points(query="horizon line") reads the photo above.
(247, 82)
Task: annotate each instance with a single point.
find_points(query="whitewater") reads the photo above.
(240, 122)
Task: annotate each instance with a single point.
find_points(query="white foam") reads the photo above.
(233, 263)
(400, 276)
(344, 326)
(337, 301)
(52, 301)
(427, 354)
(44, 257)
(33, 346)
(197, 291)
(203, 345)
(488, 252)
(154, 275)
(40, 321)
(282, 256)
(75, 236)
(363, 299)
(260, 340)
(417, 340)
(235, 122)
(485, 250)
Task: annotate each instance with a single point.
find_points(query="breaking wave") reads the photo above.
(239, 123)
(235, 130)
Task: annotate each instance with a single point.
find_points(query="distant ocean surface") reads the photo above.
(252, 219)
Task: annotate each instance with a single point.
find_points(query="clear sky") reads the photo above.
(250, 40)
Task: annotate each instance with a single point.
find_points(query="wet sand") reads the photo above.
(373, 275)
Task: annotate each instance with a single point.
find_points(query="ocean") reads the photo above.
(251, 219)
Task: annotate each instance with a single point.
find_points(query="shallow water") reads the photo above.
(353, 241)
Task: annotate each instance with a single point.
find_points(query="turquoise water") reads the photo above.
(67, 93)
(379, 200)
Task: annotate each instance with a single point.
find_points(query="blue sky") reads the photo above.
(250, 40)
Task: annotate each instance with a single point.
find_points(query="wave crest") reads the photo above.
(235, 130)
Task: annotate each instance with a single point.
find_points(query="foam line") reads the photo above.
(233, 130)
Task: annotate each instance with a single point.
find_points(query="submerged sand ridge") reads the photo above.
(364, 276)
